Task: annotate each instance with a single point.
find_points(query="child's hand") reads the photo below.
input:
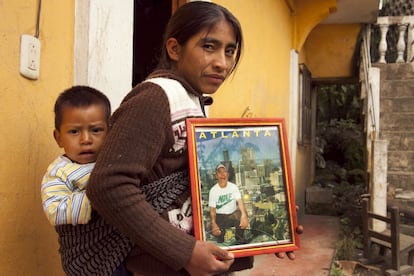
(208, 259)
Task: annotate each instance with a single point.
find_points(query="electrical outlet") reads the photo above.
(29, 56)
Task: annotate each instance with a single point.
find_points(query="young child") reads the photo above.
(81, 124)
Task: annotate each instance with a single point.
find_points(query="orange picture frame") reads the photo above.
(255, 154)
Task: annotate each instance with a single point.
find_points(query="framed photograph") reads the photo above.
(242, 191)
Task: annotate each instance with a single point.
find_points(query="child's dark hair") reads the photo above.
(80, 96)
(194, 17)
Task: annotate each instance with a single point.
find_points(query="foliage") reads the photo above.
(336, 270)
(339, 134)
(347, 199)
(350, 241)
(343, 142)
(339, 101)
(340, 145)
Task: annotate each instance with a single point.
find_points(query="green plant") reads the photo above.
(350, 241)
(339, 101)
(336, 270)
(343, 141)
(347, 195)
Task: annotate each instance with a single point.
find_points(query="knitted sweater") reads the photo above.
(147, 142)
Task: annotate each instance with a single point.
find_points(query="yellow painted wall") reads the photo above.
(261, 82)
(28, 244)
(330, 49)
(308, 14)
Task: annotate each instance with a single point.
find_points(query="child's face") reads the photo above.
(82, 132)
(207, 58)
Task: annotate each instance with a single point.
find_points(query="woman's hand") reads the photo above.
(281, 255)
(291, 255)
(208, 259)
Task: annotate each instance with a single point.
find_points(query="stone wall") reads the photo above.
(397, 122)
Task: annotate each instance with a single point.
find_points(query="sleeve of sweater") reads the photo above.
(134, 144)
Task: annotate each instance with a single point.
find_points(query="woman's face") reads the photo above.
(207, 58)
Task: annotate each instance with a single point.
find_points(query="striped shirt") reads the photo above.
(63, 192)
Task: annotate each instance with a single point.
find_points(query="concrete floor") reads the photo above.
(317, 249)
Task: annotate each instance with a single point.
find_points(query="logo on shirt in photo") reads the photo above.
(224, 200)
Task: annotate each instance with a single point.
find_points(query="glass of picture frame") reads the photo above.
(254, 153)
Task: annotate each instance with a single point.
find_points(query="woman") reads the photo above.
(140, 182)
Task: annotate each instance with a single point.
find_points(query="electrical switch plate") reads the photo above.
(29, 56)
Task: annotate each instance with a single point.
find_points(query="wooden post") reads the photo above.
(395, 239)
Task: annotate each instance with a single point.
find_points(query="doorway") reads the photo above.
(150, 20)
(340, 157)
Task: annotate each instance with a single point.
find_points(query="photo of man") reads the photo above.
(226, 207)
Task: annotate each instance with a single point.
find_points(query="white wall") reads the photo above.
(104, 46)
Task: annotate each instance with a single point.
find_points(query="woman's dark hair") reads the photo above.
(80, 96)
(194, 17)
